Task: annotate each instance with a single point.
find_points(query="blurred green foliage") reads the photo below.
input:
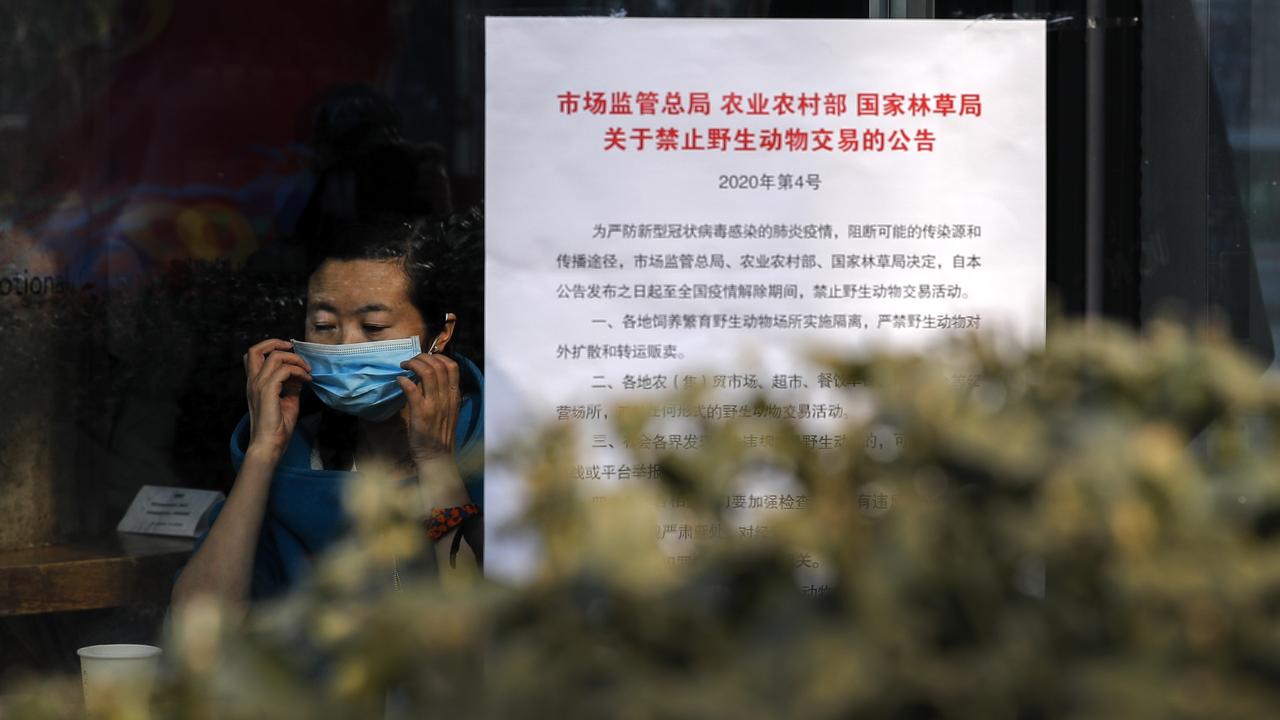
(1090, 531)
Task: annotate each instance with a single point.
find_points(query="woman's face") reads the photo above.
(352, 301)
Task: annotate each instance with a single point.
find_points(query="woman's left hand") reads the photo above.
(431, 412)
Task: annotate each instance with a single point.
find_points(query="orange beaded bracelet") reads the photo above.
(443, 520)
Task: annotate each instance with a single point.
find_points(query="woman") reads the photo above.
(383, 289)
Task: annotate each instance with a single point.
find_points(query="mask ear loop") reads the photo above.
(433, 349)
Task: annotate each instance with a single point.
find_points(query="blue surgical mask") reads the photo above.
(360, 378)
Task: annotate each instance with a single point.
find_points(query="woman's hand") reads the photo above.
(275, 376)
(431, 412)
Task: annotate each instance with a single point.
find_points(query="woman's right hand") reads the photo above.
(274, 378)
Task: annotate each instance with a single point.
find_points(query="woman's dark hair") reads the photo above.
(409, 241)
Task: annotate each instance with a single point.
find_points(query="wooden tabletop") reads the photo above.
(115, 570)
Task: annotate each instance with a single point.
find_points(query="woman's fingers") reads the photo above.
(272, 383)
(256, 357)
(453, 393)
(276, 358)
(451, 372)
(276, 380)
(440, 375)
(432, 410)
(413, 393)
(421, 366)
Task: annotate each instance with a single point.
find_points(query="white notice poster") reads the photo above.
(698, 200)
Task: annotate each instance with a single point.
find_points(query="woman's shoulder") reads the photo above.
(470, 375)
(470, 426)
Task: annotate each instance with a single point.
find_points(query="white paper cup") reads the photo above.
(124, 674)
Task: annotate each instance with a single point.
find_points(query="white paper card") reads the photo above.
(180, 512)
